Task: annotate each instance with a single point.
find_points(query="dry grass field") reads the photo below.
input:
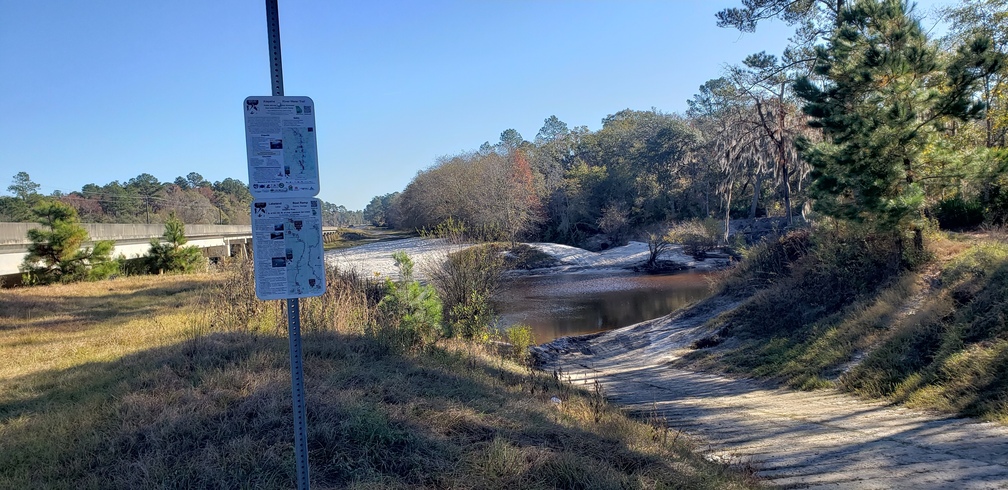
(140, 383)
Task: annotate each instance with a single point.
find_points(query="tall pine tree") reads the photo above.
(886, 89)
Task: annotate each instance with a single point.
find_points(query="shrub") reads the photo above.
(658, 243)
(349, 304)
(174, 256)
(767, 262)
(466, 281)
(957, 212)
(521, 339)
(55, 253)
(697, 237)
(524, 256)
(994, 195)
(471, 319)
(614, 222)
(457, 231)
(233, 305)
(132, 266)
(411, 310)
(996, 206)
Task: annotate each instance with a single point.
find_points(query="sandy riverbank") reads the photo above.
(792, 439)
(375, 259)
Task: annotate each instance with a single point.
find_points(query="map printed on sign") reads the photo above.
(281, 147)
(287, 248)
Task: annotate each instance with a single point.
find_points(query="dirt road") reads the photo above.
(821, 439)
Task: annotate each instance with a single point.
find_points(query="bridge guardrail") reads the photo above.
(16, 234)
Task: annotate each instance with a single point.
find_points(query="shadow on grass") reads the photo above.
(74, 312)
(214, 412)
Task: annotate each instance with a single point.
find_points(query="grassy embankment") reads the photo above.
(845, 310)
(183, 381)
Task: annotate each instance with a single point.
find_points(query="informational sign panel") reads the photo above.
(287, 248)
(281, 146)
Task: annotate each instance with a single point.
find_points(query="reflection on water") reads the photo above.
(573, 304)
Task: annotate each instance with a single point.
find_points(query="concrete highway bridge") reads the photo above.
(133, 240)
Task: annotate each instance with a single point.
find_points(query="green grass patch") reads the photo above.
(169, 399)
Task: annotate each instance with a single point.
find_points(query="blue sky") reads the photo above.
(97, 91)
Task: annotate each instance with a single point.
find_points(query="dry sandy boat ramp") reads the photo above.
(792, 439)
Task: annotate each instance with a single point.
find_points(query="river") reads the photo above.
(560, 305)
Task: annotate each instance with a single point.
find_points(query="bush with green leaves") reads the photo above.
(521, 338)
(466, 281)
(467, 278)
(55, 253)
(958, 212)
(697, 237)
(411, 312)
(173, 255)
(471, 319)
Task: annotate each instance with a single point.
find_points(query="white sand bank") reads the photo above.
(376, 258)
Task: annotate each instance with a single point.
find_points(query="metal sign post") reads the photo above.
(297, 392)
(276, 64)
(293, 304)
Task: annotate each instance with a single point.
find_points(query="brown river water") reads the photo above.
(560, 305)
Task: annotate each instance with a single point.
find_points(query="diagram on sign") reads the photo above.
(287, 248)
(300, 160)
(281, 146)
(303, 242)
